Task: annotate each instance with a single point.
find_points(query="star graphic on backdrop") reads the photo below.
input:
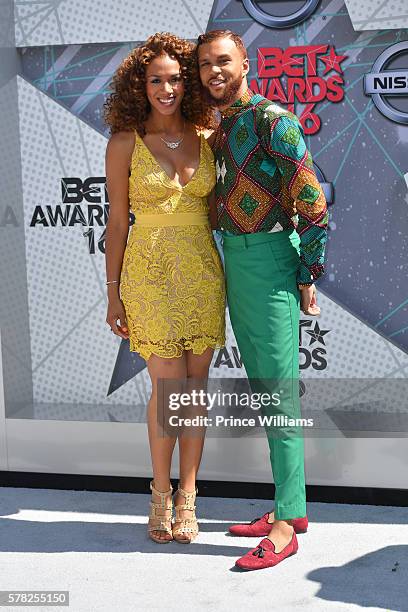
(317, 334)
(333, 61)
(128, 365)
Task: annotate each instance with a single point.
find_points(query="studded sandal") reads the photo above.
(160, 522)
(185, 530)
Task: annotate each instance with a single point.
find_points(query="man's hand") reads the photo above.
(308, 303)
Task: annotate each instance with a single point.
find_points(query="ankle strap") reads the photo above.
(161, 494)
(189, 495)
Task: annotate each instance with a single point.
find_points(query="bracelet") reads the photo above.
(303, 285)
(109, 282)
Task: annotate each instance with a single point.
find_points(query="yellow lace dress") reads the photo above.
(172, 282)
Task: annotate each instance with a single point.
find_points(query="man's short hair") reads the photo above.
(215, 34)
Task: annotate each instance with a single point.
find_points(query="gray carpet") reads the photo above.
(95, 546)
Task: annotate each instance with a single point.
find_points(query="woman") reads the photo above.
(171, 299)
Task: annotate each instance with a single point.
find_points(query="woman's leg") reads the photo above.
(191, 442)
(161, 447)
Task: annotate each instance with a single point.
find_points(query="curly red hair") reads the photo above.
(127, 107)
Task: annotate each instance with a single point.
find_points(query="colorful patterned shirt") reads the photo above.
(266, 181)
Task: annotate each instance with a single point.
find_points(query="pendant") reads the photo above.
(172, 145)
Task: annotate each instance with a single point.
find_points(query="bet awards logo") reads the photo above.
(296, 74)
(275, 21)
(312, 349)
(312, 345)
(8, 217)
(380, 83)
(84, 203)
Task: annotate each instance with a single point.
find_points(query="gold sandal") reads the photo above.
(160, 522)
(183, 527)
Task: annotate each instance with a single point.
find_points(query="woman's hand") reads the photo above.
(116, 311)
(308, 303)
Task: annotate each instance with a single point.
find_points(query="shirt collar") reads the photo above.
(238, 105)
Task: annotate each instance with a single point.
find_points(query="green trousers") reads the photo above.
(263, 301)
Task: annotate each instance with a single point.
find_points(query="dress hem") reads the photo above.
(197, 350)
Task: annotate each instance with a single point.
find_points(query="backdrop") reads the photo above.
(342, 67)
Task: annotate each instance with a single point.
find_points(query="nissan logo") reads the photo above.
(274, 21)
(381, 82)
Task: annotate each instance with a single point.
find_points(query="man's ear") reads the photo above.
(245, 66)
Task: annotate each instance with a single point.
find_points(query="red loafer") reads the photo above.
(260, 527)
(264, 555)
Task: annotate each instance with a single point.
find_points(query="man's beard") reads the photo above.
(230, 94)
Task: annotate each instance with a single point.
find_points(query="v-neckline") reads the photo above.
(172, 181)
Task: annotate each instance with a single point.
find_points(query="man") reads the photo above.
(273, 217)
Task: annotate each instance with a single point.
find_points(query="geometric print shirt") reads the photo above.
(266, 181)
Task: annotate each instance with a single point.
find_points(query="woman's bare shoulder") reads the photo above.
(209, 135)
(122, 139)
(121, 144)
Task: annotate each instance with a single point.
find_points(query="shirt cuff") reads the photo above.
(308, 275)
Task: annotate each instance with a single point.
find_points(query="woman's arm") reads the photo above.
(117, 162)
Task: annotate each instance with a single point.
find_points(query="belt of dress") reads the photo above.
(171, 219)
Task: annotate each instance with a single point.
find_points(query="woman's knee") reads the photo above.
(198, 365)
(163, 367)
